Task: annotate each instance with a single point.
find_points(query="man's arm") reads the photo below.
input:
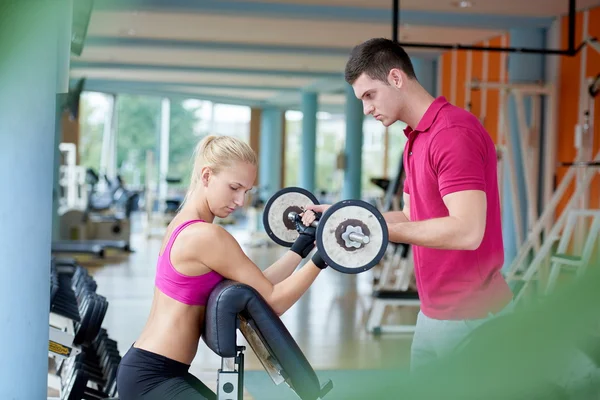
(462, 229)
(399, 216)
(457, 157)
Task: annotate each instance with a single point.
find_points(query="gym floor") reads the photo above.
(328, 322)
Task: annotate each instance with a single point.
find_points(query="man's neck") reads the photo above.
(416, 107)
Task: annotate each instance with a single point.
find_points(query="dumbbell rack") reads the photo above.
(85, 358)
(62, 334)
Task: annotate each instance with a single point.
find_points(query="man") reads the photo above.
(451, 214)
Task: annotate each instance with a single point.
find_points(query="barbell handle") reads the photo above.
(354, 236)
(294, 215)
(359, 237)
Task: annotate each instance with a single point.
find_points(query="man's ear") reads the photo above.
(395, 78)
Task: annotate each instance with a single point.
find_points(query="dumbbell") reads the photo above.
(90, 307)
(93, 309)
(351, 236)
(64, 301)
(76, 388)
(92, 374)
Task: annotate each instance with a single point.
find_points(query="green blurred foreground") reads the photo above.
(548, 350)
(544, 351)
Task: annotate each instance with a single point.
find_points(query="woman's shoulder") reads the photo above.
(200, 243)
(204, 233)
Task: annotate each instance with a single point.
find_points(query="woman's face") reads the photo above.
(227, 189)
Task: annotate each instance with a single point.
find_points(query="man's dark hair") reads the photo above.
(376, 57)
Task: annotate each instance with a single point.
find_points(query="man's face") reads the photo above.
(380, 99)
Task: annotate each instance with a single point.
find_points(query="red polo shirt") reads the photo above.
(450, 151)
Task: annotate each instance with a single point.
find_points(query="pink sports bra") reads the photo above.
(191, 290)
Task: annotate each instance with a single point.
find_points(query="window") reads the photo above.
(229, 120)
(94, 107)
(187, 119)
(137, 134)
(330, 142)
(293, 147)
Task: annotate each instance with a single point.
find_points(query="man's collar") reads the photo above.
(429, 116)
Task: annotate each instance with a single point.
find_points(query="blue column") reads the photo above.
(63, 63)
(354, 142)
(426, 71)
(522, 68)
(29, 33)
(60, 98)
(309, 141)
(270, 152)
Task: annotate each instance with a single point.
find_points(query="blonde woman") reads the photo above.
(195, 256)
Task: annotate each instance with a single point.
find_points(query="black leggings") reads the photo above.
(149, 376)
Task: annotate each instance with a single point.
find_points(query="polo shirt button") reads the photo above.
(410, 153)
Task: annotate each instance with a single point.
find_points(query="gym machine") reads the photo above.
(393, 286)
(91, 222)
(106, 215)
(542, 255)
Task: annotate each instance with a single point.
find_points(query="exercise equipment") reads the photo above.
(87, 214)
(394, 288)
(71, 180)
(594, 87)
(351, 236)
(536, 266)
(233, 306)
(85, 358)
(96, 248)
(393, 283)
(173, 202)
(63, 316)
(73, 296)
(276, 215)
(93, 373)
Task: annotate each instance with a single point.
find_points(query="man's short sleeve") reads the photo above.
(457, 157)
(406, 188)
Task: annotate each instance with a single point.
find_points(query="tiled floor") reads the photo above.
(328, 323)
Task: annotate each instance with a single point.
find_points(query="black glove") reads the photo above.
(305, 241)
(318, 261)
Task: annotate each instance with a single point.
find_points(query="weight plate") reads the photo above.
(277, 225)
(330, 236)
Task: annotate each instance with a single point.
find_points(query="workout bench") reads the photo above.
(232, 306)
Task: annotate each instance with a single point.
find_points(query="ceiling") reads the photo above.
(266, 53)
(533, 8)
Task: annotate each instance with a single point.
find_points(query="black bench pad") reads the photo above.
(233, 306)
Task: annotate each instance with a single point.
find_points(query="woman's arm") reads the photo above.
(282, 268)
(228, 259)
(302, 246)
